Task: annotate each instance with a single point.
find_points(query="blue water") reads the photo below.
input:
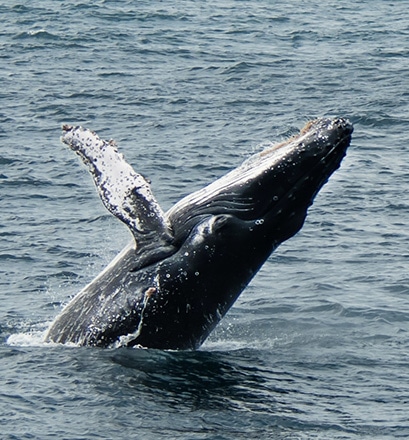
(317, 347)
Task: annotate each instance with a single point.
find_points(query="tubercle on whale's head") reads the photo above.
(316, 134)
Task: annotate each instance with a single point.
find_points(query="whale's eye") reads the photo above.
(219, 222)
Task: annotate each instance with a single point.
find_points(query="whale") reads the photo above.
(185, 268)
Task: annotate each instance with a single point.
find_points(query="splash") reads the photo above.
(28, 339)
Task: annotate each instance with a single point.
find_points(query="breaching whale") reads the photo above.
(184, 269)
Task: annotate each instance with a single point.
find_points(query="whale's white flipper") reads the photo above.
(125, 193)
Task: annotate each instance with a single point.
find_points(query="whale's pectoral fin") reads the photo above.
(125, 193)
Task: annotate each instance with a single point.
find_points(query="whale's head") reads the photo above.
(272, 190)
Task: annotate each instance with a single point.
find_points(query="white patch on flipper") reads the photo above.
(125, 340)
(125, 193)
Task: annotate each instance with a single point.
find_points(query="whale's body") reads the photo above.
(186, 268)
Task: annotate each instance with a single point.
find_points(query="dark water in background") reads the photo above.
(317, 347)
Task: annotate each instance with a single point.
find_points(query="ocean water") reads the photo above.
(317, 347)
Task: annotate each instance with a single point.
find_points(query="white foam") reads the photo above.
(33, 339)
(29, 339)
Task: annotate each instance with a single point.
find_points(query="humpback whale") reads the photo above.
(185, 268)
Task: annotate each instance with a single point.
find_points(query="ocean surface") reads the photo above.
(317, 347)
